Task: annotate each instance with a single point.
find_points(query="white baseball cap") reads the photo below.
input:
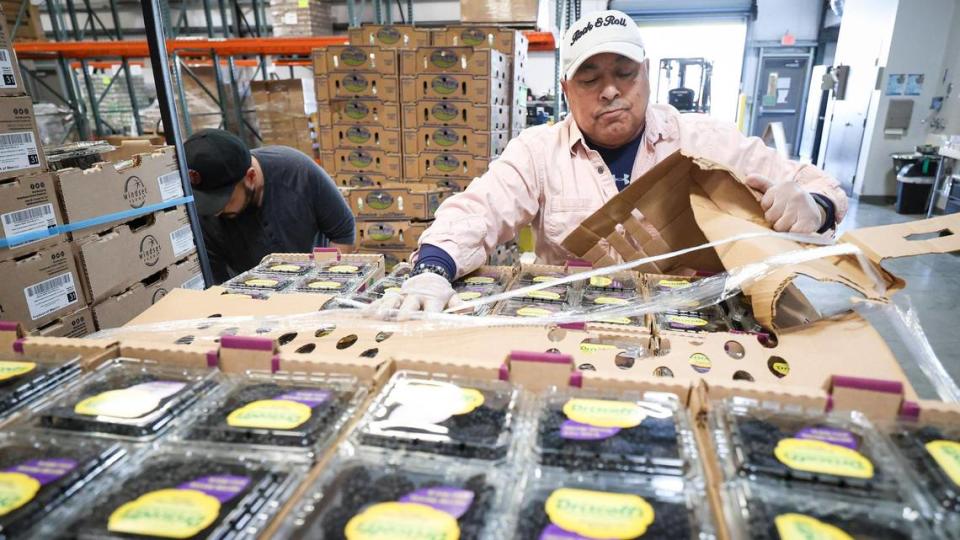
(608, 31)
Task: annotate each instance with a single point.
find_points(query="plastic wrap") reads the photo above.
(26, 380)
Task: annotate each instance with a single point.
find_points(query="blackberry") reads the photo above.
(214, 426)
(912, 443)
(69, 465)
(343, 498)
(24, 381)
(259, 485)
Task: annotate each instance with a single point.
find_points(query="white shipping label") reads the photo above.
(182, 241)
(170, 186)
(28, 220)
(50, 295)
(195, 283)
(290, 17)
(18, 151)
(7, 78)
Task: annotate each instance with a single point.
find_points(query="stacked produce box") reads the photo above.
(285, 113)
(301, 18)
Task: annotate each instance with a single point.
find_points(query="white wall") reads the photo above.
(918, 45)
(951, 64)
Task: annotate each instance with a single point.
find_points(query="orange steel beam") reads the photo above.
(539, 41)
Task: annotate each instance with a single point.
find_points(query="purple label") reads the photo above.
(839, 437)
(310, 398)
(45, 470)
(552, 532)
(585, 432)
(222, 487)
(453, 501)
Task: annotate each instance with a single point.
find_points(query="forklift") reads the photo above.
(684, 83)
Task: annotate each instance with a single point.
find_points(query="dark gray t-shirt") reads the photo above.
(302, 209)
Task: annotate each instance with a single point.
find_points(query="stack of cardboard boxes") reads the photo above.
(285, 113)
(301, 18)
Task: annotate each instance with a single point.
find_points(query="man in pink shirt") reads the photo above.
(556, 176)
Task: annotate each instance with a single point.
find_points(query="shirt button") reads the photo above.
(600, 170)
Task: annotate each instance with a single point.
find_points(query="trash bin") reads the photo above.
(916, 173)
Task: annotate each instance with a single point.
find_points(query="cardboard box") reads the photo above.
(353, 84)
(505, 40)
(454, 60)
(501, 11)
(390, 36)
(118, 309)
(119, 257)
(280, 96)
(347, 58)
(20, 150)
(444, 164)
(390, 234)
(40, 287)
(11, 82)
(28, 204)
(75, 325)
(368, 137)
(396, 201)
(487, 144)
(363, 111)
(450, 112)
(454, 185)
(477, 90)
(146, 179)
(392, 257)
(363, 179)
(367, 161)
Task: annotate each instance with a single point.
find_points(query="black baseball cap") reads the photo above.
(219, 160)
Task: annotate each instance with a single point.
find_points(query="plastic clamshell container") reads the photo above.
(520, 308)
(769, 513)
(60, 467)
(326, 284)
(443, 416)
(23, 381)
(610, 284)
(930, 452)
(184, 492)
(130, 399)
(369, 490)
(256, 282)
(838, 454)
(624, 432)
(708, 319)
(343, 268)
(294, 415)
(281, 267)
(602, 505)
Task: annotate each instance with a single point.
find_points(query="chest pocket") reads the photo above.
(565, 213)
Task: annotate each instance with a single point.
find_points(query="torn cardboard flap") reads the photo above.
(691, 201)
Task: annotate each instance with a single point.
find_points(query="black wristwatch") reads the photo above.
(433, 269)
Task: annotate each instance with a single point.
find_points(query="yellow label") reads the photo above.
(16, 490)
(285, 268)
(393, 290)
(801, 527)
(261, 282)
(9, 370)
(469, 295)
(617, 320)
(782, 368)
(303, 3)
(700, 362)
(543, 295)
(270, 414)
(472, 399)
(820, 457)
(123, 403)
(168, 513)
(597, 514)
(534, 312)
(326, 285)
(479, 280)
(544, 279)
(947, 456)
(600, 281)
(686, 320)
(610, 300)
(604, 412)
(402, 521)
(596, 347)
(343, 269)
(674, 283)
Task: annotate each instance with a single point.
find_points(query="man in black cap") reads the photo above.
(270, 200)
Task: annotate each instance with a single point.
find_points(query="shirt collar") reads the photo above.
(658, 127)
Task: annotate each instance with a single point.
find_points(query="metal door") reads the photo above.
(782, 84)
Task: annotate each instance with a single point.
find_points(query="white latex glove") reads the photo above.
(787, 206)
(427, 292)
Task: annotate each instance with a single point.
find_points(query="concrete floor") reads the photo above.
(933, 288)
